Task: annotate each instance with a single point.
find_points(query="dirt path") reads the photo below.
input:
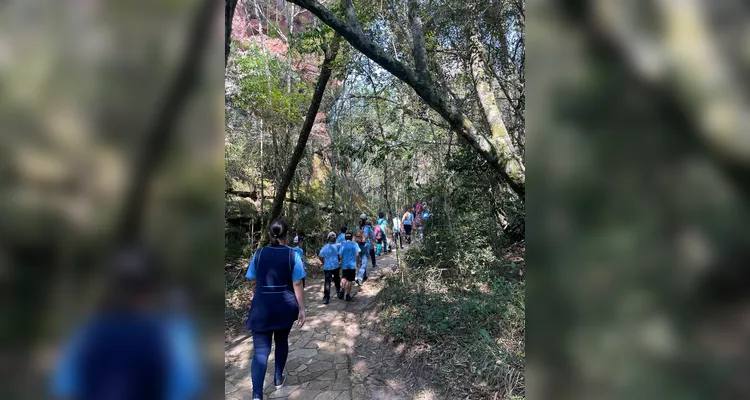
(331, 357)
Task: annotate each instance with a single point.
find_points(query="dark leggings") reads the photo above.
(397, 239)
(261, 351)
(372, 255)
(332, 275)
(407, 228)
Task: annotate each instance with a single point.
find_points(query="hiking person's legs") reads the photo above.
(332, 275)
(363, 267)
(261, 351)
(348, 278)
(327, 284)
(336, 278)
(281, 339)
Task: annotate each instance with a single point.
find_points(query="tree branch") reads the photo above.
(435, 97)
(403, 108)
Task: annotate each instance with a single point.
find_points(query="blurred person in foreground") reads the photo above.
(278, 300)
(131, 348)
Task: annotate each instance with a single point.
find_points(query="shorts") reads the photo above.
(349, 274)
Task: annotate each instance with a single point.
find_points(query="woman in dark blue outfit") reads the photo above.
(278, 301)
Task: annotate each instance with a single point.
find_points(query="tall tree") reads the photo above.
(330, 50)
(419, 79)
(490, 109)
(229, 6)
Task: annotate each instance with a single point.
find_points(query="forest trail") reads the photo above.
(331, 356)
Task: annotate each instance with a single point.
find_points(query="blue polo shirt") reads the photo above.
(348, 252)
(330, 254)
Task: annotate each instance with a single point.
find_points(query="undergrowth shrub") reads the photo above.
(460, 302)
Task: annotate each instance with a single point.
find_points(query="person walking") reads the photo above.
(278, 300)
(329, 257)
(364, 248)
(349, 253)
(368, 240)
(126, 349)
(297, 243)
(342, 236)
(380, 234)
(370, 235)
(397, 231)
(408, 220)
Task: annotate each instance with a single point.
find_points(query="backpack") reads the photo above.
(378, 232)
(418, 220)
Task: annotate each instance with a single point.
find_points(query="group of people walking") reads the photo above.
(278, 274)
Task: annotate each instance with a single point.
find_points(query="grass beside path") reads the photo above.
(470, 332)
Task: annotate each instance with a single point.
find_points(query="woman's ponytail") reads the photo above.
(278, 230)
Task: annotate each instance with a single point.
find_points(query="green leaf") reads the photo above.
(485, 334)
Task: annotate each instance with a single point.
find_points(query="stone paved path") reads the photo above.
(320, 363)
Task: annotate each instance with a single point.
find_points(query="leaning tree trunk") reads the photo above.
(436, 97)
(312, 111)
(490, 110)
(229, 6)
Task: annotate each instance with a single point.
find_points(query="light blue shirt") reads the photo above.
(341, 238)
(301, 255)
(330, 254)
(348, 252)
(297, 273)
(409, 219)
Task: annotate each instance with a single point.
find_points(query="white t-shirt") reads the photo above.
(396, 224)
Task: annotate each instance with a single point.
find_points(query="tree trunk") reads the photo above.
(229, 6)
(312, 111)
(262, 177)
(490, 110)
(437, 98)
(160, 133)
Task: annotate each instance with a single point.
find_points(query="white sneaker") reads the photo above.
(279, 385)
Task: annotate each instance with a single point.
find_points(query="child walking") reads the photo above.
(329, 257)
(297, 242)
(349, 252)
(342, 236)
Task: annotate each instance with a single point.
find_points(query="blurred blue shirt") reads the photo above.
(130, 355)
